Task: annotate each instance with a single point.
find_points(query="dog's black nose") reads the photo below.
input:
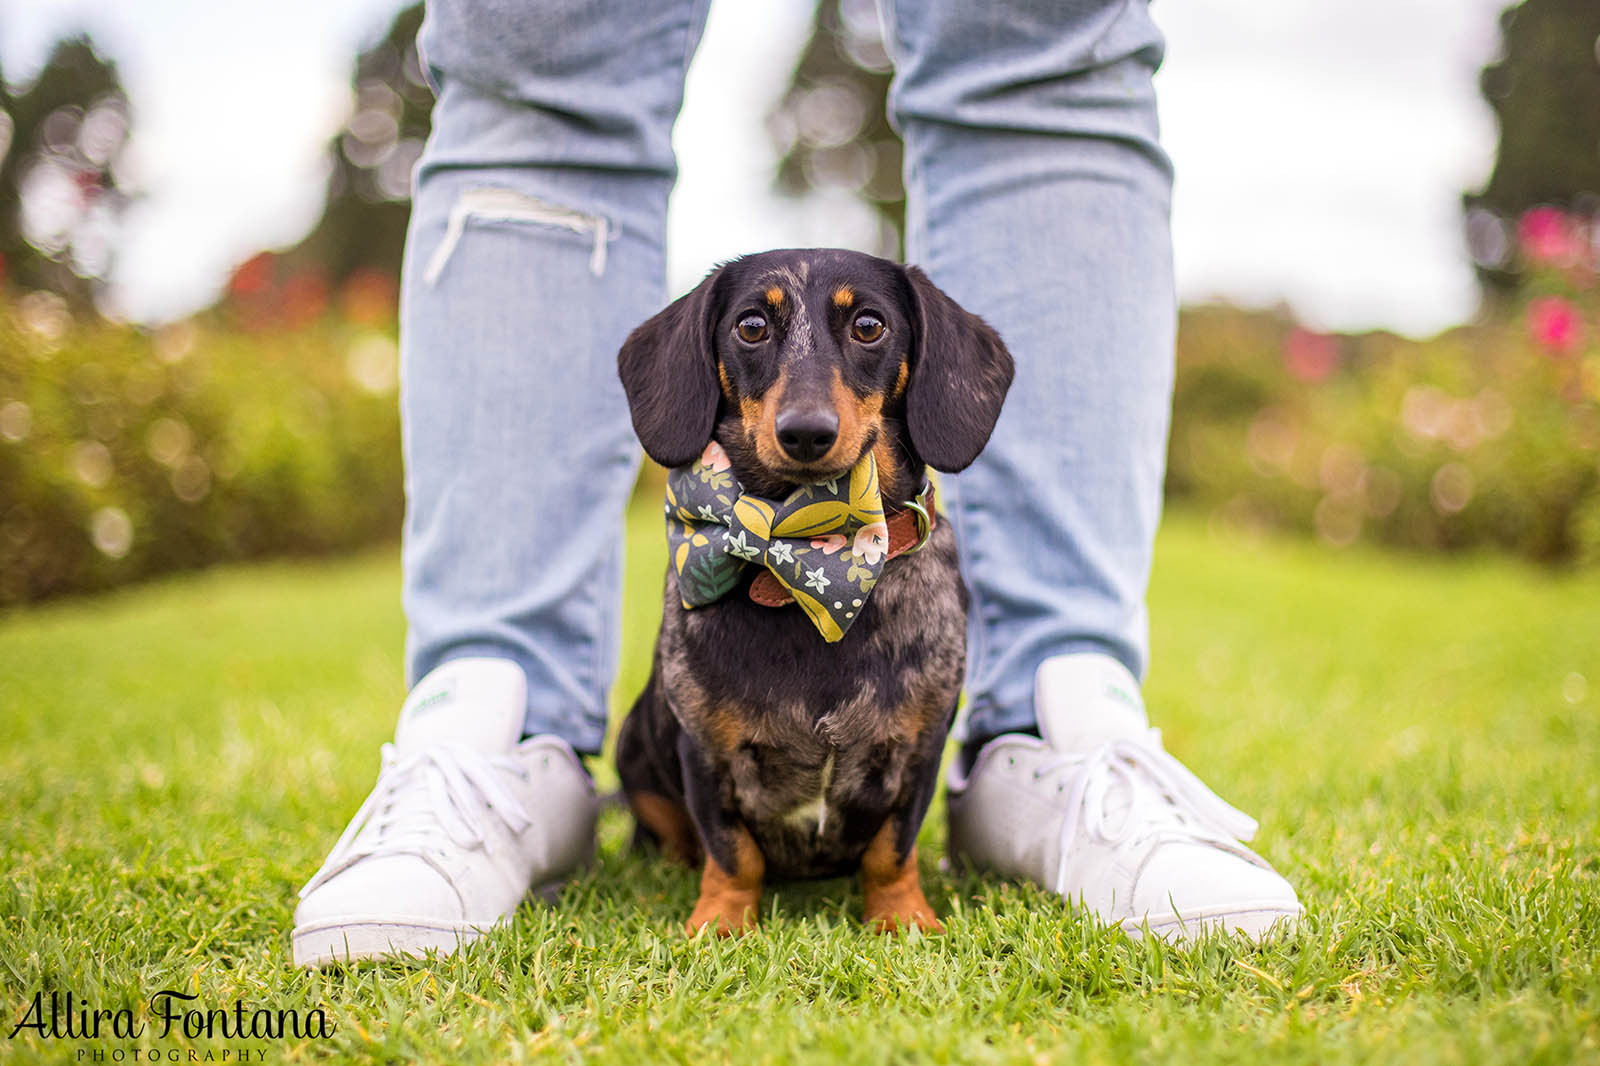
(806, 435)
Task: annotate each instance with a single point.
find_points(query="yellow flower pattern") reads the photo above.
(715, 529)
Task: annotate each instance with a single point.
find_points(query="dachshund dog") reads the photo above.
(768, 742)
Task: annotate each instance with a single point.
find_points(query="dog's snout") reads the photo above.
(806, 435)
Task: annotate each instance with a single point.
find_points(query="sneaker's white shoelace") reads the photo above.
(459, 783)
(1161, 797)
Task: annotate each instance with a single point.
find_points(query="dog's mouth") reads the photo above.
(827, 468)
(812, 473)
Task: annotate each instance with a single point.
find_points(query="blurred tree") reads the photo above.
(1544, 88)
(60, 199)
(831, 125)
(354, 251)
(362, 232)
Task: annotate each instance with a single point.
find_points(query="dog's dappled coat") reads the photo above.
(757, 744)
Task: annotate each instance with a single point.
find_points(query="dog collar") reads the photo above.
(823, 546)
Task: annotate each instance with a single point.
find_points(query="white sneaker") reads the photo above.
(1097, 812)
(463, 822)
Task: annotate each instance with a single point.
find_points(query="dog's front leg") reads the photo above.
(892, 884)
(890, 881)
(730, 898)
(730, 883)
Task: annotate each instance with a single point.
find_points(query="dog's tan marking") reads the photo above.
(670, 823)
(859, 416)
(722, 376)
(724, 726)
(751, 413)
(888, 464)
(916, 716)
(775, 296)
(843, 296)
(761, 424)
(893, 888)
(901, 378)
(730, 899)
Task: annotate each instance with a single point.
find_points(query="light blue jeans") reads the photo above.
(1038, 197)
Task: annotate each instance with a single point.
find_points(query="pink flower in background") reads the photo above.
(1547, 235)
(1310, 356)
(1554, 324)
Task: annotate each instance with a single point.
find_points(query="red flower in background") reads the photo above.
(89, 184)
(1554, 324)
(1310, 356)
(262, 294)
(303, 300)
(368, 297)
(1547, 235)
(254, 275)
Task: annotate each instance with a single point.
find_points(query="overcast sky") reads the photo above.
(1321, 149)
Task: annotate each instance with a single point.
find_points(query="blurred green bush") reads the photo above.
(1486, 436)
(125, 453)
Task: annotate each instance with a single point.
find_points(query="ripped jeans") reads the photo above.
(1038, 197)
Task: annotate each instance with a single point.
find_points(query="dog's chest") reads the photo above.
(812, 814)
(814, 819)
(812, 743)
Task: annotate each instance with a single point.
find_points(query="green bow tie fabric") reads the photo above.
(825, 543)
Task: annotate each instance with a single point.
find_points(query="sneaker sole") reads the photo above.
(1255, 921)
(356, 937)
(353, 938)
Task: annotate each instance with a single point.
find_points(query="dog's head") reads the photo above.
(800, 361)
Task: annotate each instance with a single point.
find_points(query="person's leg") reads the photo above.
(1038, 197)
(536, 244)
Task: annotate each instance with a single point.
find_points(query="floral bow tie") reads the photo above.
(825, 543)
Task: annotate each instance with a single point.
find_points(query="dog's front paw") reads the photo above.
(730, 898)
(893, 887)
(727, 913)
(889, 911)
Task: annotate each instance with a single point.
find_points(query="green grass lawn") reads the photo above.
(1420, 740)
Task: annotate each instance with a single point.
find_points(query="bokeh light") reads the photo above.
(111, 530)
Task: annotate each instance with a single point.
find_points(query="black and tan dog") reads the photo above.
(757, 744)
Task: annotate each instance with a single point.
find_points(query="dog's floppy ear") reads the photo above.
(669, 372)
(959, 378)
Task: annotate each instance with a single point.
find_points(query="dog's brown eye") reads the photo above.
(867, 328)
(752, 329)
